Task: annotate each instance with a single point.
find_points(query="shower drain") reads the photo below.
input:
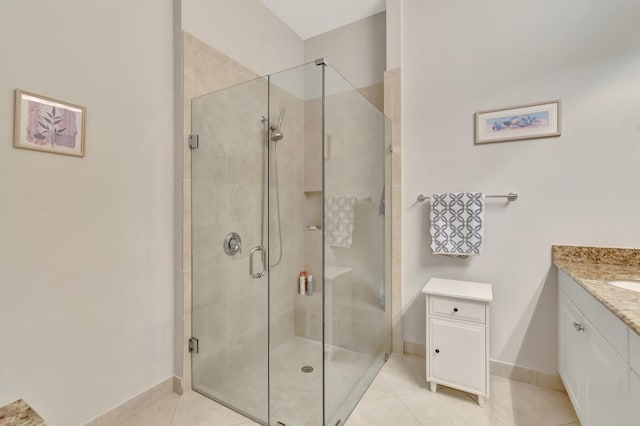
(307, 369)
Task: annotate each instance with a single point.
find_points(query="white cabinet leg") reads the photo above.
(481, 400)
(433, 386)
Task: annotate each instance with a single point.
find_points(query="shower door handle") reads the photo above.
(262, 251)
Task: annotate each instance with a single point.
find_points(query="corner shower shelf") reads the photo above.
(334, 272)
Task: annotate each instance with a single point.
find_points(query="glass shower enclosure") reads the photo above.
(291, 177)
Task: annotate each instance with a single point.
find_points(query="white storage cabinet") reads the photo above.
(458, 335)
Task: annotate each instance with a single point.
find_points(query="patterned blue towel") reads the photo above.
(456, 223)
(339, 220)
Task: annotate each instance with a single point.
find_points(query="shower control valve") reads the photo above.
(232, 244)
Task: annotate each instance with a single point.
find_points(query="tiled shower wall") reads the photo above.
(230, 307)
(392, 109)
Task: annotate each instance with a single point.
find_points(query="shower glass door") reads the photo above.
(229, 170)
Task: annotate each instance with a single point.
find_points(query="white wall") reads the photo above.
(459, 57)
(394, 33)
(246, 31)
(357, 50)
(86, 260)
(178, 206)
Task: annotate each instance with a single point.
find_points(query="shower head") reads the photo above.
(276, 133)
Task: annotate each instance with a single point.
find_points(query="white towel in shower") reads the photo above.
(457, 223)
(339, 220)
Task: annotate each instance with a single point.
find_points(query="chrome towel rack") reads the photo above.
(512, 196)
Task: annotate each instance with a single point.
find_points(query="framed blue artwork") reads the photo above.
(532, 121)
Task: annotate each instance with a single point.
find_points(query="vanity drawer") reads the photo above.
(451, 307)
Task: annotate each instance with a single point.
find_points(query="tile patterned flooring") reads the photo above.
(398, 396)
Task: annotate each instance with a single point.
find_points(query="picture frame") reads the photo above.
(48, 125)
(530, 121)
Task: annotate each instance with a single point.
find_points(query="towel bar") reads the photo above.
(512, 196)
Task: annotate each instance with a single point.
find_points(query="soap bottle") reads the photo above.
(302, 283)
(309, 285)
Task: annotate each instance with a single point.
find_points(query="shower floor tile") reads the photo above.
(296, 397)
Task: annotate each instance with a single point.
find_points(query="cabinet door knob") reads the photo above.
(437, 351)
(455, 309)
(578, 326)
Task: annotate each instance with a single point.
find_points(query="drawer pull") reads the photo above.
(437, 351)
(578, 326)
(460, 309)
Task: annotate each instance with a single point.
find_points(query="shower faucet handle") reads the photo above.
(232, 244)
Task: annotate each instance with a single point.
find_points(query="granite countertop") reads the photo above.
(19, 413)
(592, 267)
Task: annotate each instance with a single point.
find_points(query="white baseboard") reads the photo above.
(139, 402)
(177, 385)
(527, 375)
(501, 369)
(413, 348)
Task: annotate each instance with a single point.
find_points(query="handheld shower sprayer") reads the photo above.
(276, 133)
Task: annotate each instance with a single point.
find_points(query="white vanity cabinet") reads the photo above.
(606, 381)
(457, 335)
(634, 379)
(634, 399)
(593, 359)
(570, 349)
